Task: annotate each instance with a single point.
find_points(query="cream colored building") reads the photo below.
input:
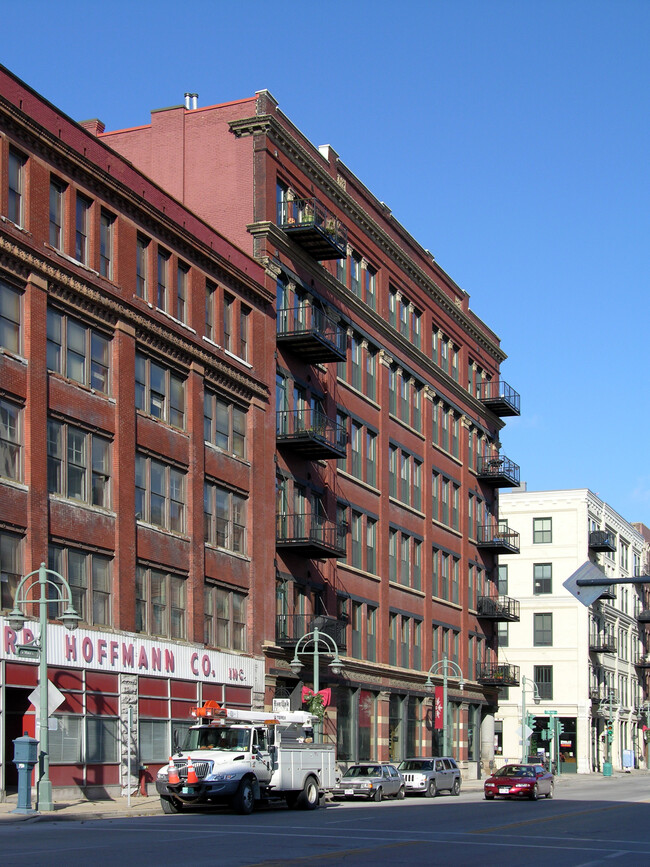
(587, 664)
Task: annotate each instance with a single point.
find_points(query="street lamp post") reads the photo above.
(609, 736)
(444, 664)
(61, 595)
(310, 643)
(536, 699)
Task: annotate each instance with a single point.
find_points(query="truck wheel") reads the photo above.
(244, 800)
(170, 805)
(309, 797)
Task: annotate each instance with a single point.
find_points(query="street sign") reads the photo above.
(587, 595)
(527, 733)
(54, 698)
(550, 712)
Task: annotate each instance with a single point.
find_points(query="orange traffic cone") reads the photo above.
(172, 774)
(192, 779)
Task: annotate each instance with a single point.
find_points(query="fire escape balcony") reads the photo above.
(643, 616)
(501, 398)
(311, 225)
(310, 433)
(642, 660)
(499, 471)
(498, 538)
(312, 334)
(310, 535)
(290, 628)
(602, 643)
(600, 695)
(602, 540)
(501, 608)
(497, 674)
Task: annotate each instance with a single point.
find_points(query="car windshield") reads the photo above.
(515, 771)
(209, 738)
(415, 765)
(363, 771)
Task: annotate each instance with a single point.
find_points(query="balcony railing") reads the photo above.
(497, 674)
(644, 616)
(642, 660)
(314, 227)
(501, 398)
(499, 471)
(290, 628)
(310, 535)
(498, 538)
(602, 540)
(602, 643)
(501, 608)
(600, 695)
(311, 433)
(311, 333)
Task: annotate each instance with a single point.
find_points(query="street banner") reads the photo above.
(439, 717)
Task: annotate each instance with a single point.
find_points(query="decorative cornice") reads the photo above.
(283, 138)
(71, 289)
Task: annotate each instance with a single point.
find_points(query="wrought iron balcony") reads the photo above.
(499, 471)
(498, 538)
(311, 433)
(497, 674)
(602, 540)
(602, 643)
(601, 695)
(501, 608)
(608, 592)
(310, 535)
(498, 396)
(311, 333)
(314, 227)
(642, 660)
(643, 616)
(290, 628)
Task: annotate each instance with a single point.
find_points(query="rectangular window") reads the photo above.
(10, 567)
(162, 280)
(355, 275)
(16, 203)
(210, 302)
(371, 545)
(10, 440)
(542, 530)
(10, 310)
(244, 337)
(159, 494)
(89, 577)
(106, 225)
(543, 630)
(78, 464)
(371, 457)
(503, 635)
(160, 603)
(77, 351)
(542, 578)
(543, 677)
(502, 580)
(227, 322)
(225, 618)
(224, 518)
(371, 284)
(82, 229)
(371, 633)
(57, 192)
(224, 424)
(371, 373)
(159, 392)
(182, 278)
(356, 531)
(142, 268)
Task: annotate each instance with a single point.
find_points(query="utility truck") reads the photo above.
(243, 757)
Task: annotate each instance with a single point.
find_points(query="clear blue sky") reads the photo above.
(510, 137)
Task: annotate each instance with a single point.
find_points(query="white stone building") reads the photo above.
(587, 664)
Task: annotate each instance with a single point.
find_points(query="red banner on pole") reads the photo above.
(439, 717)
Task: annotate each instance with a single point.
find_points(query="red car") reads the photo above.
(519, 781)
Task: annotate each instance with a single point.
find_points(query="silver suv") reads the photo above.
(428, 775)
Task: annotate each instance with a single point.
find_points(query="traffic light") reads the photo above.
(610, 732)
(559, 727)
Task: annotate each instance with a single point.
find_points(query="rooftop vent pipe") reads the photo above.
(191, 100)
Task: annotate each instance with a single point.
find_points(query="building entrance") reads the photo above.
(18, 720)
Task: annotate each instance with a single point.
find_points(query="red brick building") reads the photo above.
(388, 405)
(136, 441)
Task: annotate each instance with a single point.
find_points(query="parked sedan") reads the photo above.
(519, 781)
(428, 776)
(371, 781)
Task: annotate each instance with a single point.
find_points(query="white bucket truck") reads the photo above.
(240, 757)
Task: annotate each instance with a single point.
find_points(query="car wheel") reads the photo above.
(551, 791)
(171, 805)
(534, 795)
(309, 797)
(431, 791)
(488, 797)
(244, 800)
(455, 789)
(401, 794)
(377, 796)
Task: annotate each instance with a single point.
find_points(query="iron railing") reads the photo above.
(290, 628)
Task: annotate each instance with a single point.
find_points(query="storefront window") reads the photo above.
(101, 740)
(65, 740)
(366, 713)
(344, 725)
(473, 735)
(414, 715)
(395, 729)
